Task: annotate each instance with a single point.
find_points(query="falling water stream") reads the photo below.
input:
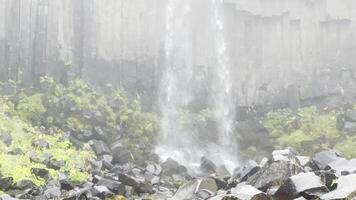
(179, 141)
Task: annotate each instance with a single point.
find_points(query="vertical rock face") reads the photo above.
(289, 48)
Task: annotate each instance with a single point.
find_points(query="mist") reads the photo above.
(177, 99)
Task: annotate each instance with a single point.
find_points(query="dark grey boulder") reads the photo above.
(24, 184)
(100, 147)
(243, 173)
(273, 174)
(324, 158)
(140, 186)
(113, 185)
(346, 189)
(101, 191)
(40, 144)
(7, 197)
(42, 173)
(170, 167)
(6, 183)
(6, 138)
(207, 166)
(304, 184)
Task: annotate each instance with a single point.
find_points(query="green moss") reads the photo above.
(347, 147)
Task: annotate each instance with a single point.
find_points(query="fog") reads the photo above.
(220, 74)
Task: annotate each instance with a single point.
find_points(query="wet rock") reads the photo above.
(6, 138)
(100, 147)
(114, 186)
(64, 182)
(99, 132)
(243, 173)
(52, 192)
(306, 184)
(139, 186)
(170, 167)
(343, 166)
(323, 159)
(247, 192)
(303, 160)
(55, 164)
(122, 157)
(6, 183)
(153, 168)
(191, 188)
(288, 155)
(24, 184)
(273, 174)
(42, 173)
(40, 144)
(328, 179)
(101, 191)
(346, 189)
(207, 167)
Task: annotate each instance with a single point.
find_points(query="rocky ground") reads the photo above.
(285, 175)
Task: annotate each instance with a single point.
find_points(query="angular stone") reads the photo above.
(247, 192)
(15, 151)
(273, 175)
(170, 167)
(349, 127)
(191, 188)
(6, 183)
(308, 183)
(207, 166)
(346, 189)
(350, 115)
(100, 147)
(324, 158)
(343, 166)
(243, 173)
(52, 192)
(24, 184)
(114, 186)
(42, 173)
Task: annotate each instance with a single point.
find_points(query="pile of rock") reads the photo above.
(285, 176)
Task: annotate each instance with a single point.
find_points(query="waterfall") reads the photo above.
(178, 90)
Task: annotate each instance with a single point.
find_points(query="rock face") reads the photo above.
(323, 159)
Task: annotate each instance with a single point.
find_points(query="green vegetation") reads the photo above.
(23, 134)
(308, 131)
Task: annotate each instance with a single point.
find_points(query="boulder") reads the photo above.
(6, 183)
(304, 184)
(207, 167)
(53, 192)
(7, 197)
(170, 167)
(6, 138)
(346, 189)
(139, 186)
(193, 187)
(243, 173)
(42, 173)
(273, 174)
(15, 151)
(24, 184)
(350, 127)
(247, 192)
(114, 186)
(343, 166)
(100, 191)
(100, 147)
(324, 158)
(40, 144)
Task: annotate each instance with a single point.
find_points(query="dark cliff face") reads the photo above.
(273, 45)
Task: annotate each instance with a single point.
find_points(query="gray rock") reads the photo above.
(274, 174)
(52, 193)
(323, 159)
(40, 144)
(6, 197)
(207, 166)
(191, 188)
(343, 166)
(346, 189)
(42, 173)
(100, 147)
(247, 192)
(114, 186)
(15, 151)
(350, 127)
(6, 138)
(170, 167)
(24, 184)
(6, 183)
(350, 115)
(308, 183)
(243, 173)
